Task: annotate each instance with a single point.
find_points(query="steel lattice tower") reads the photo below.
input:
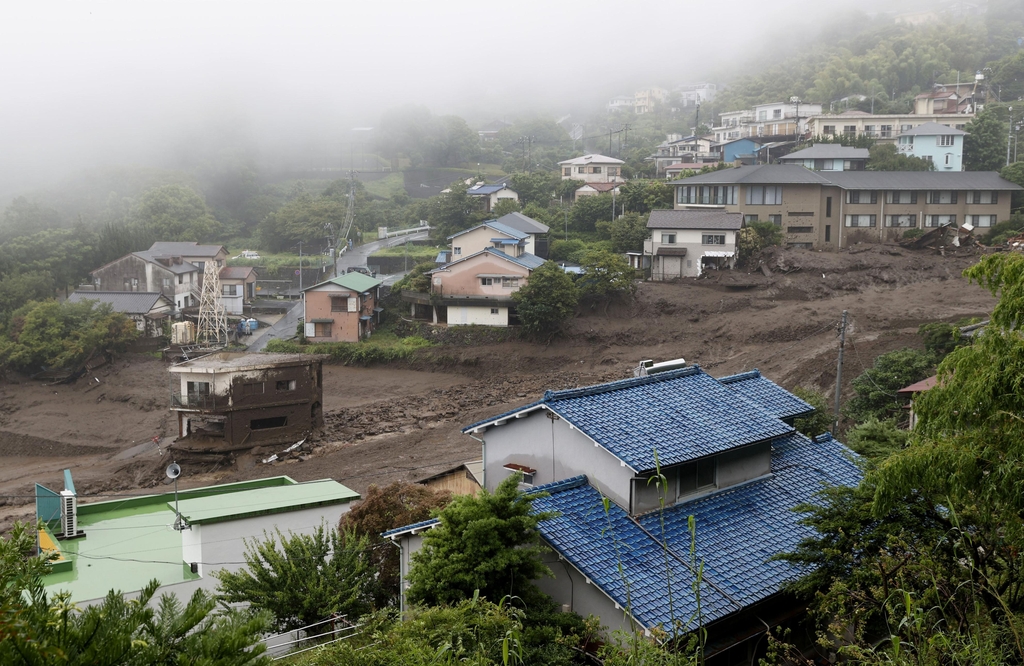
(213, 322)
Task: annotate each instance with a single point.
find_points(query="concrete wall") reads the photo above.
(557, 451)
(467, 315)
(131, 273)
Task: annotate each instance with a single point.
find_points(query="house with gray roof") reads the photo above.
(829, 157)
(149, 271)
(687, 243)
(940, 144)
(624, 465)
(490, 195)
(149, 310)
(829, 210)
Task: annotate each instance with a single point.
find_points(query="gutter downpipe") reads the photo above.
(842, 220)
(483, 457)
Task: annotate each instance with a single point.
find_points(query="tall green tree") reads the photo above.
(488, 543)
(1015, 174)
(985, 143)
(547, 301)
(643, 196)
(589, 210)
(178, 213)
(302, 578)
(37, 629)
(876, 388)
(605, 275)
(886, 157)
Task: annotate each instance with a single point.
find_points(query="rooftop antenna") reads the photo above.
(173, 472)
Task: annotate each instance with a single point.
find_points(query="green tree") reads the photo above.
(302, 578)
(487, 544)
(643, 196)
(605, 275)
(589, 210)
(941, 338)
(450, 142)
(24, 216)
(534, 188)
(572, 250)
(382, 509)
(38, 629)
(876, 439)
(754, 237)
(547, 301)
(176, 213)
(61, 335)
(629, 232)
(820, 421)
(985, 143)
(17, 290)
(452, 211)
(876, 387)
(504, 207)
(886, 157)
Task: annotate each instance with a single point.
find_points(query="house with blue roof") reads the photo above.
(625, 464)
(490, 195)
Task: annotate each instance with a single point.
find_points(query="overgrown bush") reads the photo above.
(754, 237)
(382, 348)
(572, 250)
(818, 422)
(876, 387)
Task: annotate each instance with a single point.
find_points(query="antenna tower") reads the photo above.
(213, 323)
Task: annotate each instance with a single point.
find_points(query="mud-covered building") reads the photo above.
(247, 399)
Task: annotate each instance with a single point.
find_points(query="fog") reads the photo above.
(89, 84)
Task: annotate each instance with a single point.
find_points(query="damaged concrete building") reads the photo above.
(247, 399)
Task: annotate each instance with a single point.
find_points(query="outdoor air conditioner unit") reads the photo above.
(68, 513)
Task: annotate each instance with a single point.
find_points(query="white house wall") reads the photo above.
(532, 441)
(568, 587)
(467, 315)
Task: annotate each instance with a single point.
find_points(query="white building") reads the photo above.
(593, 169)
(686, 243)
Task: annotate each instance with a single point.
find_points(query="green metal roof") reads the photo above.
(354, 281)
(219, 508)
(129, 542)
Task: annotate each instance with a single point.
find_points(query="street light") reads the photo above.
(796, 100)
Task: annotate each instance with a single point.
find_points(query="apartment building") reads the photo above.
(592, 169)
(772, 119)
(884, 128)
(829, 210)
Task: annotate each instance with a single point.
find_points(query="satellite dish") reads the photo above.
(173, 470)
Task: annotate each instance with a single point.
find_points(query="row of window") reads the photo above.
(507, 282)
(705, 239)
(714, 195)
(259, 388)
(612, 171)
(771, 195)
(882, 132)
(910, 221)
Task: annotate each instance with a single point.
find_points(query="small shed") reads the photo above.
(912, 391)
(466, 479)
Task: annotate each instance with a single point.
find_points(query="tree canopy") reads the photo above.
(985, 143)
(547, 301)
(487, 544)
(886, 157)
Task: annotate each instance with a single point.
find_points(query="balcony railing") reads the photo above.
(203, 401)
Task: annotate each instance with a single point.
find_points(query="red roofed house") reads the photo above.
(595, 188)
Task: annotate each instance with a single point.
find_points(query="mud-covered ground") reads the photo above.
(113, 428)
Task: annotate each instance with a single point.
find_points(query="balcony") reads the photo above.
(198, 401)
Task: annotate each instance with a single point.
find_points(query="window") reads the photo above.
(776, 113)
(942, 197)
(762, 115)
(869, 130)
(949, 159)
(907, 140)
(828, 233)
(353, 304)
(906, 128)
(982, 197)
(228, 290)
(939, 220)
(775, 219)
(339, 304)
(321, 330)
(201, 265)
(668, 239)
(180, 277)
(712, 239)
(456, 251)
(828, 206)
(135, 284)
(850, 130)
(945, 140)
(486, 282)
(581, 169)
(901, 221)
(567, 171)
(494, 311)
(901, 197)
(886, 131)
(747, 219)
(254, 388)
(266, 424)
(697, 476)
(286, 385)
(766, 195)
(860, 220)
(595, 169)
(613, 171)
(198, 388)
(981, 220)
(707, 194)
(800, 230)
(862, 197)
(510, 282)
(828, 130)
(166, 282)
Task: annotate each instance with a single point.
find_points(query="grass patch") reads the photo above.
(272, 261)
(383, 347)
(417, 253)
(387, 187)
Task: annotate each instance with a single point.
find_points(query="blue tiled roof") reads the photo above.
(776, 400)
(485, 189)
(737, 531)
(526, 260)
(683, 414)
(410, 528)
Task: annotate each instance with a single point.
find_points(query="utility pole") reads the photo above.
(1009, 133)
(300, 267)
(610, 141)
(839, 373)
